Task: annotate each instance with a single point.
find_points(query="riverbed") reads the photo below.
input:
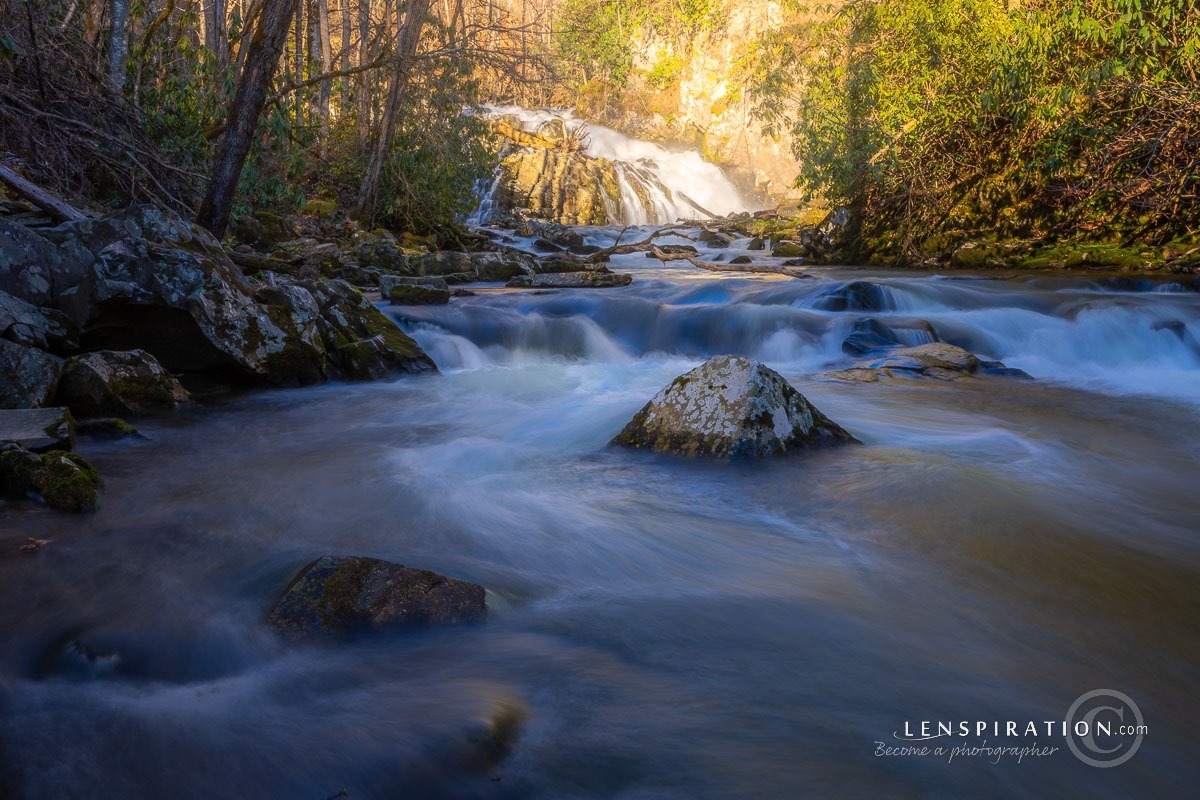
(666, 628)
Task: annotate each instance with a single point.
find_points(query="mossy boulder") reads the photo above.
(587, 279)
(67, 482)
(730, 406)
(320, 207)
(262, 229)
(789, 250)
(412, 295)
(384, 255)
(119, 383)
(347, 594)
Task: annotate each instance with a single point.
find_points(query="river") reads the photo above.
(670, 629)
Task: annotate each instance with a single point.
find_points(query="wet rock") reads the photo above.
(855, 296)
(675, 249)
(589, 279)
(410, 295)
(559, 264)
(869, 335)
(108, 428)
(999, 369)
(383, 255)
(787, 249)
(483, 266)
(262, 229)
(357, 340)
(342, 594)
(67, 482)
(560, 236)
(19, 470)
(938, 360)
(730, 407)
(756, 244)
(28, 377)
(389, 282)
(38, 429)
(119, 383)
(568, 188)
(714, 238)
(34, 326)
(741, 260)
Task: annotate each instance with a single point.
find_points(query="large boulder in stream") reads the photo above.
(125, 383)
(346, 594)
(730, 406)
(63, 480)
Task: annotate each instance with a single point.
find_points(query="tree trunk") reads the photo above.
(407, 41)
(216, 31)
(118, 51)
(262, 58)
(326, 68)
(363, 90)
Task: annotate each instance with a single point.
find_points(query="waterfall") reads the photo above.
(655, 185)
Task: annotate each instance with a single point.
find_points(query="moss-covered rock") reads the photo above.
(789, 250)
(587, 279)
(67, 482)
(345, 594)
(411, 295)
(119, 383)
(262, 229)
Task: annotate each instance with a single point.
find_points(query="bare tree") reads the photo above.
(118, 52)
(262, 57)
(407, 40)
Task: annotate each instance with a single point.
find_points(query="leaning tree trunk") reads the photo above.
(407, 41)
(118, 52)
(265, 48)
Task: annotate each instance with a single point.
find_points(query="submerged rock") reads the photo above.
(112, 383)
(855, 296)
(869, 335)
(588, 279)
(107, 428)
(730, 406)
(937, 360)
(347, 593)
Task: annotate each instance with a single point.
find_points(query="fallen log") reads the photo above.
(56, 207)
(763, 269)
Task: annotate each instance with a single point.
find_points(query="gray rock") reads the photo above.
(756, 244)
(937, 360)
(32, 326)
(730, 406)
(27, 263)
(589, 279)
(358, 341)
(28, 377)
(402, 295)
(118, 383)
(787, 249)
(869, 335)
(38, 429)
(384, 255)
(389, 282)
(484, 266)
(340, 594)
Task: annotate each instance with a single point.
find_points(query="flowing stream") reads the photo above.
(671, 629)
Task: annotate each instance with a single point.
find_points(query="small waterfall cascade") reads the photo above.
(590, 174)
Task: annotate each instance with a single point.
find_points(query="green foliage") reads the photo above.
(665, 72)
(593, 40)
(1054, 116)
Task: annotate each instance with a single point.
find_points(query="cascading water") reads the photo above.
(655, 184)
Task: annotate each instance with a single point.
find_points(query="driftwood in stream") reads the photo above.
(55, 206)
(765, 269)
